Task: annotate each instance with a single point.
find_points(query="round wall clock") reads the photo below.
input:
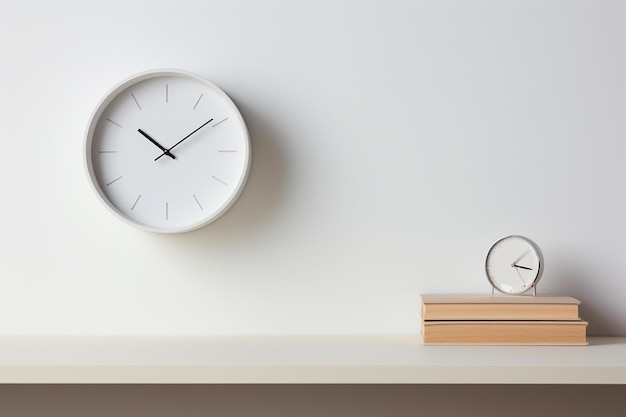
(167, 151)
(514, 265)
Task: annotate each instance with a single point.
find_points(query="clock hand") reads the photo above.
(520, 277)
(166, 151)
(522, 267)
(520, 258)
(158, 145)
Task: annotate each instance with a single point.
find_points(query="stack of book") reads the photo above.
(464, 319)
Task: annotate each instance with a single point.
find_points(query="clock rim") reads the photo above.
(114, 93)
(534, 247)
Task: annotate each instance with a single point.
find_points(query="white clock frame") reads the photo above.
(122, 101)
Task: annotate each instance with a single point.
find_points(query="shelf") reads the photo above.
(302, 359)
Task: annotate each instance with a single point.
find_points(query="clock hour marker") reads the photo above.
(220, 122)
(197, 202)
(199, 98)
(115, 123)
(227, 150)
(135, 203)
(119, 178)
(107, 151)
(167, 93)
(219, 180)
(136, 102)
(167, 211)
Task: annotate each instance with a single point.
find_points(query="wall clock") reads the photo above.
(514, 265)
(167, 151)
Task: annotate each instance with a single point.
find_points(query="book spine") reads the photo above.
(551, 333)
(499, 312)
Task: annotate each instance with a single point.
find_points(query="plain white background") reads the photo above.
(393, 143)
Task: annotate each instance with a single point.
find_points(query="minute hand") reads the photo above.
(181, 141)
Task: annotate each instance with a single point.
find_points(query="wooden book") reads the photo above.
(498, 307)
(505, 332)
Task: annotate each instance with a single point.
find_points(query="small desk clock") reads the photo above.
(167, 151)
(514, 265)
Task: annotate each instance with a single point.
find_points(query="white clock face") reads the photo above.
(514, 264)
(167, 151)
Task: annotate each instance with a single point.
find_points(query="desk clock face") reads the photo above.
(514, 265)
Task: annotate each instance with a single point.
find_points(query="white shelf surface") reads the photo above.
(302, 359)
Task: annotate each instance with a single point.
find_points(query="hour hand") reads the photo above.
(522, 267)
(158, 145)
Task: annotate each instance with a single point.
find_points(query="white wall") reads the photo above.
(393, 143)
